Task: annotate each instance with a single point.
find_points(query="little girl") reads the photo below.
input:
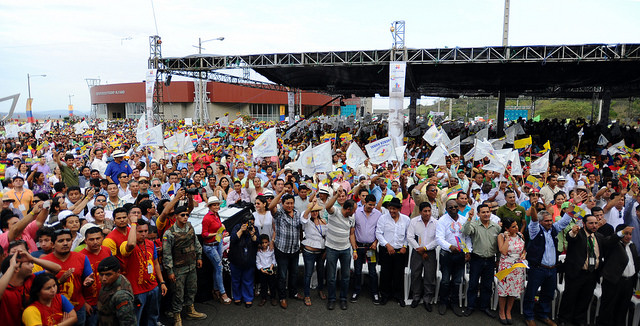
(265, 262)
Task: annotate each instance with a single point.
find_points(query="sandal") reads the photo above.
(307, 301)
(224, 299)
(322, 295)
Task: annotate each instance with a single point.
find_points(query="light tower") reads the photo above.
(201, 98)
(94, 107)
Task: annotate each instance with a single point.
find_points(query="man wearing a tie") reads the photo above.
(585, 252)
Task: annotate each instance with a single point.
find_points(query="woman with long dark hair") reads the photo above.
(512, 249)
(48, 307)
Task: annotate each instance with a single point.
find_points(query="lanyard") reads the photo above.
(319, 228)
(15, 193)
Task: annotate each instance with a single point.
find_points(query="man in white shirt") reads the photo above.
(455, 252)
(99, 162)
(421, 236)
(614, 210)
(391, 233)
(340, 239)
(301, 201)
(134, 188)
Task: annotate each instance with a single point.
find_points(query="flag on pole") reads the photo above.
(355, 156)
(432, 135)
(536, 118)
(522, 143)
(266, 145)
(152, 137)
(541, 165)
(381, 151)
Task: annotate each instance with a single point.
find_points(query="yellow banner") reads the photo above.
(522, 143)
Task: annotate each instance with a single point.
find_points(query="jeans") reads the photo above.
(287, 268)
(242, 283)
(357, 272)
(345, 268)
(481, 271)
(214, 253)
(82, 316)
(311, 259)
(545, 278)
(452, 267)
(149, 307)
(92, 319)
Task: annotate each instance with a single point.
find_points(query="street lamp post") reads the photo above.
(29, 81)
(30, 100)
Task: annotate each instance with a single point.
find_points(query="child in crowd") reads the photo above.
(265, 262)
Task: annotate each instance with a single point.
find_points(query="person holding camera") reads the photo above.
(242, 255)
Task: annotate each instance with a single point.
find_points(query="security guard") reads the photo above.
(115, 302)
(182, 254)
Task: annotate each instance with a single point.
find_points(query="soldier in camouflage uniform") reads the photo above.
(182, 254)
(115, 301)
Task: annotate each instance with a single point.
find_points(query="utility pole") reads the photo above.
(505, 28)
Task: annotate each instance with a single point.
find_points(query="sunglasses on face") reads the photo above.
(155, 185)
(184, 214)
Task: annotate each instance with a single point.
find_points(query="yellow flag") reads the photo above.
(522, 143)
(547, 145)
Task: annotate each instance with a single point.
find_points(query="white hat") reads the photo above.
(323, 190)
(213, 200)
(118, 153)
(64, 214)
(268, 193)
(561, 178)
(86, 227)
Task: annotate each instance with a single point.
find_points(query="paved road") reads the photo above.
(361, 313)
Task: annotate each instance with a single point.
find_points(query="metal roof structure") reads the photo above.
(560, 71)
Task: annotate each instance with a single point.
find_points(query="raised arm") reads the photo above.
(274, 202)
(329, 204)
(165, 212)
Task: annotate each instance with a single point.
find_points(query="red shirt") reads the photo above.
(72, 288)
(138, 264)
(13, 302)
(210, 225)
(113, 242)
(39, 314)
(91, 293)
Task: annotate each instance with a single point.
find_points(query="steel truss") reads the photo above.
(498, 54)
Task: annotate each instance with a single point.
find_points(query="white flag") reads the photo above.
(431, 136)
(11, 130)
(80, 127)
(617, 148)
(103, 125)
(173, 145)
(454, 146)
(322, 158)
(355, 156)
(47, 126)
(381, 151)
(438, 156)
(602, 140)
(516, 167)
(266, 145)
(541, 165)
(142, 126)
(483, 134)
(25, 127)
(483, 149)
(305, 161)
(186, 145)
(151, 137)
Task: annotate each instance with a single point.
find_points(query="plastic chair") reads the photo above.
(559, 289)
(438, 276)
(597, 294)
(407, 277)
(464, 286)
(494, 297)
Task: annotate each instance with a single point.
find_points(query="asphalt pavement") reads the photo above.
(364, 312)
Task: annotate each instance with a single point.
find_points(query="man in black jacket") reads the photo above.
(585, 252)
(619, 276)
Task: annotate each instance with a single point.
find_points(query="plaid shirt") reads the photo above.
(111, 206)
(287, 231)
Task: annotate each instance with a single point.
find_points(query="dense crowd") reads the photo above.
(96, 231)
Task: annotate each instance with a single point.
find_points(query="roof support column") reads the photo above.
(604, 108)
(500, 115)
(413, 103)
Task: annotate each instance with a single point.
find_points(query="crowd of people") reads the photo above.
(96, 231)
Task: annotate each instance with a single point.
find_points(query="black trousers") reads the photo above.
(578, 292)
(392, 273)
(615, 301)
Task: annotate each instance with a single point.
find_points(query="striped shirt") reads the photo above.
(338, 230)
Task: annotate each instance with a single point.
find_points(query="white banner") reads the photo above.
(291, 103)
(266, 145)
(541, 165)
(103, 125)
(397, 75)
(151, 137)
(150, 84)
(11, 130)
(381, 151)
(142, 126)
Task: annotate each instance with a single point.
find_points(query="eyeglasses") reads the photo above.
(123, 177)
(101, 200)
(184, 214)
(155, 185)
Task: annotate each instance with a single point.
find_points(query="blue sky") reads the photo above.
(70, 40)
